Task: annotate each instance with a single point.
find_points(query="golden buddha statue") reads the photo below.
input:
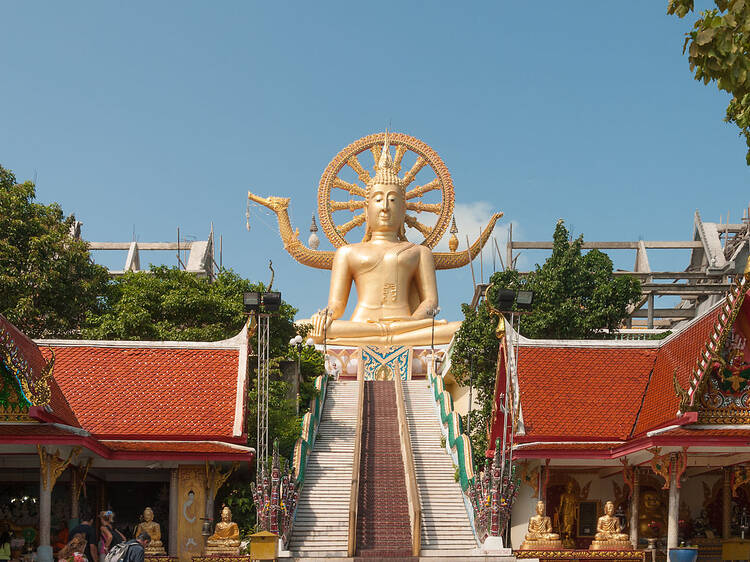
(567, 513)
(652, 516)
(148, 525)
(539, 534)
(394, 278)
(609, 535)
(226, 537)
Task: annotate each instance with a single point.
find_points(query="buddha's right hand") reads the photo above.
(321, 320)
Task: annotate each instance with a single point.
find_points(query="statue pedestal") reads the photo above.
(221, 550)
(542, 544)
(611, 545)
(157, 550)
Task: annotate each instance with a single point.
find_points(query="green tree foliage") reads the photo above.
(718, 50)
(576, 296)
(48, 284)
(167, 303)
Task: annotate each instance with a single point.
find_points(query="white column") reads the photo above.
(44, 552)
(634, 500)
(174, 512)
(674, 508)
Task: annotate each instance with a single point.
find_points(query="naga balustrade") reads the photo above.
(275, 498)
(491, 496)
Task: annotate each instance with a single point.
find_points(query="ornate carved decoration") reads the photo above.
(215, 478)
(711, 355)
(35, 387)
(740, 476)
(530, 477)
(52, 465)
(79, 483)
(667, 464)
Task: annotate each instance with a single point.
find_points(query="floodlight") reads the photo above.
(524, 300)
(271, 301)
(251, 301)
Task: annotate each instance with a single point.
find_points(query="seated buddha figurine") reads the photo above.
(609, 535)
(395, 279)
(540, 535)
(226, 537)
(148, 525)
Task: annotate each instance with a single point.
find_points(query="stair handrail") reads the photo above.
(488, 499)
(410, 472)
(354, 493)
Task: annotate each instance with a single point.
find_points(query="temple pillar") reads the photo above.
(726, 505)
(51, 466)
(674, 507)
(75, 483)
(635, 496)
(174, 510)
(45, 517)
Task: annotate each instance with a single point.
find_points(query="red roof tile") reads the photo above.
(175, 447)
(679, 352)
(149, 391)
(585, 392)
(31, 430)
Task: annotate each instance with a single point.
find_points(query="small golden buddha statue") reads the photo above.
(609, 535)
(148, 525)
(226, 537)
(540, 535)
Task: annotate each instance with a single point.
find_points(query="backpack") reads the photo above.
(118, 552)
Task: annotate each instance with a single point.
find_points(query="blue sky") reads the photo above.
(146, 116)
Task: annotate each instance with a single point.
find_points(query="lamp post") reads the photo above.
(296, 341)
(433, 311)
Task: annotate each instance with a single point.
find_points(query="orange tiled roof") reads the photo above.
(145, 391)
(680, 352)
(582, 392)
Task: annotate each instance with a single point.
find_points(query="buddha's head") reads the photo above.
(609, 508)
(651, 501)
(226, 514)
(540, 507)
(148, 515)
(386, 198)
(570, 486)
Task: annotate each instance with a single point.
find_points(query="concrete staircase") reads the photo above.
(383, 529)
(321, 525)
(445, 523)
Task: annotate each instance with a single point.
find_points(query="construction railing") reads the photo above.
(354, 494)
(410, 473)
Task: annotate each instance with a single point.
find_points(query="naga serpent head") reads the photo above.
(276, 204)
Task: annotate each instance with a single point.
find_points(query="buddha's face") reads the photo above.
(569, 487)
(651, 501)
(609, 508)
(386, 208)
(148, 515)
(540, 508)
(226, 515)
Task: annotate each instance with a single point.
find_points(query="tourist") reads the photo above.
(108, 535)
(86, 528)
(137, 548)
(5, 546)
(73, 551)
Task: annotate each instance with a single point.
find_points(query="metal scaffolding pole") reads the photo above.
(263, 379)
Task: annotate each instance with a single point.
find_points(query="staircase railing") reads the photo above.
(415, 508)
(354, 493)
(489, 498)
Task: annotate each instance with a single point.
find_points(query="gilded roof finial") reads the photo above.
(453, 240)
